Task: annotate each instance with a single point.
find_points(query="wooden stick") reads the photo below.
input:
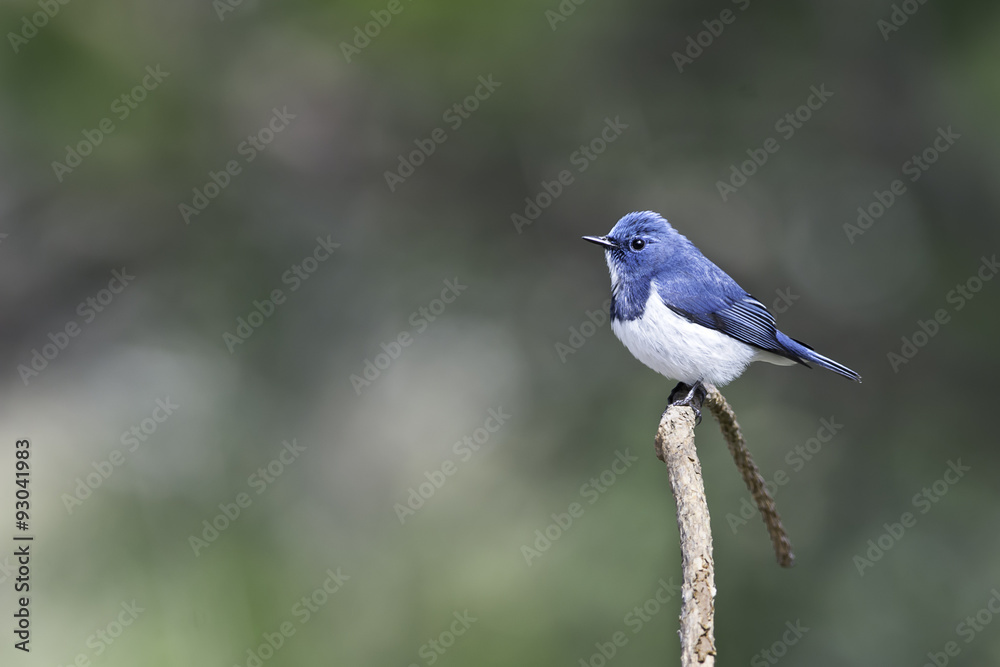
(751, 475)
(675, 447)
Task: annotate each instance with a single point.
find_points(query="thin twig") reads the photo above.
(724, 414)
(675, 447)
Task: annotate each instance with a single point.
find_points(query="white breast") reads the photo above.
(682, 350)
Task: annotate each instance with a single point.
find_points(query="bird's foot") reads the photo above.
(692, 396)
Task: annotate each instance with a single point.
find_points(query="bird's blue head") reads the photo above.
(636, 248)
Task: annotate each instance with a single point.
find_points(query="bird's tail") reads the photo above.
(806, 354)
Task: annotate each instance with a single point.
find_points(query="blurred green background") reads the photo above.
(118, 516)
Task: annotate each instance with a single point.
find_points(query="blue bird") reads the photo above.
(684, 317)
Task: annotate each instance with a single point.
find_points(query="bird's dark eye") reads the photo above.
(638, 244)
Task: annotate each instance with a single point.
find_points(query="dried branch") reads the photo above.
(675, 447)
(748, 469)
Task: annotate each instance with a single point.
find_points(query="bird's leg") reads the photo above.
(690, 395)
(677, 393)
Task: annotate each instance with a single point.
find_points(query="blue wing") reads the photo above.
(696, 289)
(704, 294)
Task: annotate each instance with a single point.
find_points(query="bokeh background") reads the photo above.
(515, 340)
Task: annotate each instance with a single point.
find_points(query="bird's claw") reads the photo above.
(692, 396)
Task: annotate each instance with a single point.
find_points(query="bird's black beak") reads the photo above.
(601, 240)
